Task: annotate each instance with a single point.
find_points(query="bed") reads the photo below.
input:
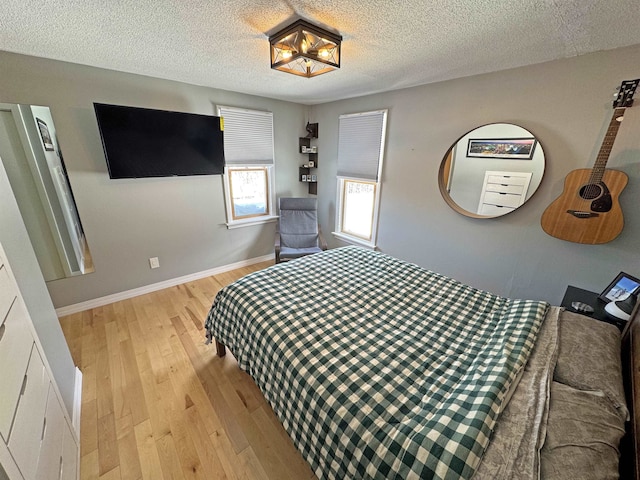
(378, 368)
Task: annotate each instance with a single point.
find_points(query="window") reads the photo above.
(360, 154)
(248, 191)
(248, 175)
(358, 200)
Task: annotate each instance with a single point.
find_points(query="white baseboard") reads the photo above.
(116, 297)
(77, 402)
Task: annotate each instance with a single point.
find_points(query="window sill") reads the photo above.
(354, 240)
(251, 222)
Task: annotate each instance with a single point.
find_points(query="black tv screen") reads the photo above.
(141, 142)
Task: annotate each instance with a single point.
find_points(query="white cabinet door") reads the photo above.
(15, 348)
(69, 456)
(51, 448)
(27, 427)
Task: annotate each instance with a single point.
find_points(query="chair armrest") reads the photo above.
(276, 241)
(321, 240)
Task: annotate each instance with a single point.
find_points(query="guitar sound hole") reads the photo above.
(591, 191)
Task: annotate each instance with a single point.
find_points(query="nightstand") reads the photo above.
(575, 294)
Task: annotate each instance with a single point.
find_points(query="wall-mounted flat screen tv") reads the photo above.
(142, 142)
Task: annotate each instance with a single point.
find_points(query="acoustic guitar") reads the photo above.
(588, 210)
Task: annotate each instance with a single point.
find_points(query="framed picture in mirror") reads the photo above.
(47, 141)
(511, 148)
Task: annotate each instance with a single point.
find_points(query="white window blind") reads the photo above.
(248, 136)
(361, 144)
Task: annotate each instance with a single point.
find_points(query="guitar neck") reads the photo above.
(607, 145)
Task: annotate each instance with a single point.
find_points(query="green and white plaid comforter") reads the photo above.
(377, 368)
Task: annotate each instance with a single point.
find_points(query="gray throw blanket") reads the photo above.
(521, 429)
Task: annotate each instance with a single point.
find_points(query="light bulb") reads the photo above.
(286, 54)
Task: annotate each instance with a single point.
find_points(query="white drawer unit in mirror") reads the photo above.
(503, 192)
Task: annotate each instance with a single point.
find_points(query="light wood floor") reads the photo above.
(158, 404)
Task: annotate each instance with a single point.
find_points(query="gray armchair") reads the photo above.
(297, 231)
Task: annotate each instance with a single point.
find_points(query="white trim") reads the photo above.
(154, 287)
(355, 241)
(77, 404)
(249, 222)
(251, 111)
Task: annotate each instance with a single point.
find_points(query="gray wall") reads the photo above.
(180, 220)
(567, 105)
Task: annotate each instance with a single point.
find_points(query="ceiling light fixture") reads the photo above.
(304, 49)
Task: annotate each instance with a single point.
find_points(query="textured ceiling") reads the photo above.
(387, 44)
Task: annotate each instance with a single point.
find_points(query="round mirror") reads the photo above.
(491, 170)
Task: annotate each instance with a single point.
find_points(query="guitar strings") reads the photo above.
(594, 189)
